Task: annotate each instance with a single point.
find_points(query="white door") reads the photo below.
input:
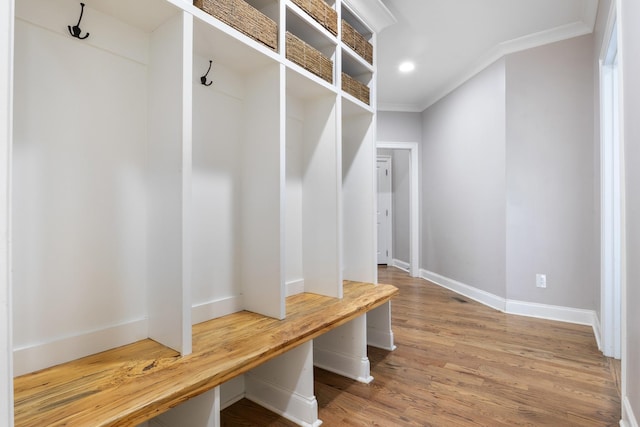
(384, 210)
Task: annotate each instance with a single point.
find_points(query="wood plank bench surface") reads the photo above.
(128, 385)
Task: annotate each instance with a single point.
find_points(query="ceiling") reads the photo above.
(451, 40)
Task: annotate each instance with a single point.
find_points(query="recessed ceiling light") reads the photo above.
(407, 67)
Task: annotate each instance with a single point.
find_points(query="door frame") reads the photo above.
(611, 192)
(389, 231)
(414, 200)
(6, 137)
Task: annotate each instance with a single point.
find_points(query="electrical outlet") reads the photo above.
(541, 280)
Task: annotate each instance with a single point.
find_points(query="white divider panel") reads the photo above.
(320, 201)
(262, 242)
(358, 197)
(200, 411)
(169, 130)
(285, 385)
(344, 351)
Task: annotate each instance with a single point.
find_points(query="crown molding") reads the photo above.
(405, 108)
(373, 12)
(563, 32)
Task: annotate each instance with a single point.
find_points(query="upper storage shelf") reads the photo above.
(246, 18)
(321, 12)
(356, 35)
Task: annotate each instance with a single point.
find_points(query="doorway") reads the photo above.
(412, 202)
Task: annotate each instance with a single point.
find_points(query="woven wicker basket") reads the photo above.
(355, 88)
(357, 42)
(321, 12)
(243, 17)
(308, 57)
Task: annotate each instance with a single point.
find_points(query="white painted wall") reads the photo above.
(217, 142)
(79, 187)
(550, 175)
(463, 184)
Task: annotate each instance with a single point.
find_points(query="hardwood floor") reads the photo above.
(459, 363)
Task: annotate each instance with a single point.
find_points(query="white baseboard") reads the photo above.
(214, 309)
(552, 312)
(522, 308)
(404, 266)
(628, 417)
(299, 409)
(597, 331)
(295, 287)
(476, 294)
(380, 339)
(43, 355)
(356, 368)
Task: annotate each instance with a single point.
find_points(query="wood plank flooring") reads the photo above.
(459, 363)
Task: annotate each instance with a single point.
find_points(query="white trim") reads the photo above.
(31, 358)
(551, 312)
(404, 266)
(6, 135)
(610, 193)
(628, 417)
(298, 409)
(597, 330)
(374, 13)
(294, 287)
(521, 308)
(405, 108)
(414, 200)
(475, 294)
(530, 41)
(356, 368)
(214, 309)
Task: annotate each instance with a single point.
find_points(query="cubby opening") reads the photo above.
(236, 188)
(359, 77)
(81, 176)
(358, 195)
(312, 226)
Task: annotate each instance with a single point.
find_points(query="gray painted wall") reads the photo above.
(399, 127)
(630, 50)
(508, 179)
(401, 205)
(463, 183)
(551, 226)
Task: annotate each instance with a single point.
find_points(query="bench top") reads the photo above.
(134, 383)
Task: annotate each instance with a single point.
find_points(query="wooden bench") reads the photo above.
(134, 383)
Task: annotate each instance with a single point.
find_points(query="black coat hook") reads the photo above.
(203, 79)
(75, 30)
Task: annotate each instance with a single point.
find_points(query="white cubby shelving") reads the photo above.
(144, 202)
